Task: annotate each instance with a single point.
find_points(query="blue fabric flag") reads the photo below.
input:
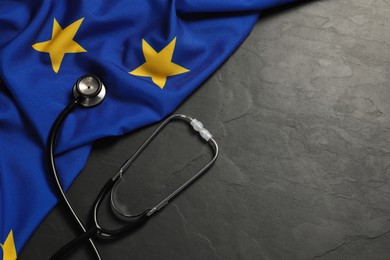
(150, 54)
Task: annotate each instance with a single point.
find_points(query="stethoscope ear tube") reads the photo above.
(197, 127)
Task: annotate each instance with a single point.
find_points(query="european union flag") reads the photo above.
(150, 54)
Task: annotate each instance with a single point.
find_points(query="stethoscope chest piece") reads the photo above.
(89, 90)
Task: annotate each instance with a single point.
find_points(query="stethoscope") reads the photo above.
(89, 91)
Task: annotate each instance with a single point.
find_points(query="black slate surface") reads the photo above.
(301, 112)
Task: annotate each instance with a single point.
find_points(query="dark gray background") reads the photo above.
(302, 115)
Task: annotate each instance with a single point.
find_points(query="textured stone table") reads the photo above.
(302, 115)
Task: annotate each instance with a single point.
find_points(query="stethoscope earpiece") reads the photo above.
(89, 90)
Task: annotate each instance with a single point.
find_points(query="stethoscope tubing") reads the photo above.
(53, 170)
(97, 229)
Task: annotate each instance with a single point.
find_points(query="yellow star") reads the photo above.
(61, 42)
(158, 65)
(9, 250)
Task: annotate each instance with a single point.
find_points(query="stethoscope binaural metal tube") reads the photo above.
(139, 219)
(198, 127)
